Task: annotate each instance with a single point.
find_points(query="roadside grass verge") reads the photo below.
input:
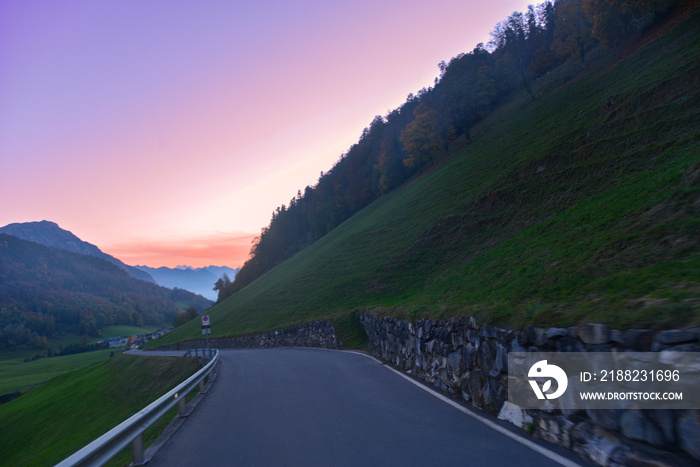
(48, 424)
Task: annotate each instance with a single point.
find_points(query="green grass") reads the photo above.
(18, 375)
(122, 330)
(66, 339)
(350, 332)
(563, 210)
(58, 418)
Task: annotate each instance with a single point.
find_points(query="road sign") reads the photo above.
(206, 329)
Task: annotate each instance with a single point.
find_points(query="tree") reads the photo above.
(222, 285)
(517, 46)
(420, 138)
(615, 20)
(572, 30)
(544, 58)
(389, 165)
(188, 315)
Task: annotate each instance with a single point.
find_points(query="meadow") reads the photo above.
(21, 371)
(18, 375)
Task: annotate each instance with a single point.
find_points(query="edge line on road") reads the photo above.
(526, 442)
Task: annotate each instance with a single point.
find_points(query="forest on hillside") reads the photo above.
(417, 135)
(46, 291)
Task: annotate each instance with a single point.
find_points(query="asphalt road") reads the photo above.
(309, 407)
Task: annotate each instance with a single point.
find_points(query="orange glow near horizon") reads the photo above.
(222, 250)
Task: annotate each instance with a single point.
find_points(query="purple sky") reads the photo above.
(166, 132)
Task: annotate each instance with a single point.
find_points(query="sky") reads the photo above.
(167, 132)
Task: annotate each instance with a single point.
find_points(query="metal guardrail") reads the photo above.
(108, 445)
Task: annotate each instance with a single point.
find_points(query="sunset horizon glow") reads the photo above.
(166, 133)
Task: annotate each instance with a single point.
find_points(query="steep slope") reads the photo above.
(50, 234)
(46, 292)
(583, 204)
(197, 280)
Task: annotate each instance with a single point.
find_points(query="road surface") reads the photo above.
(308, 407)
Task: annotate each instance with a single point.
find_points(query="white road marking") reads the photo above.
(524, 441)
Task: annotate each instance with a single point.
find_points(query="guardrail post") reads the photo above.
(181, 405)
(137, 450)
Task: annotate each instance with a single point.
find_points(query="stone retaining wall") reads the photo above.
(470, 361)
(314, 334)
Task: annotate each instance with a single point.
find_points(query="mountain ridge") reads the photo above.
(199, 281)
(49, 233)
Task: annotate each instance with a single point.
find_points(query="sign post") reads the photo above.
(206, 329)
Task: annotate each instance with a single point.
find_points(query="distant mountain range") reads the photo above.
(200, 280)
(50, 234)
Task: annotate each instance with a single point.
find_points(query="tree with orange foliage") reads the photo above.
(420, 137)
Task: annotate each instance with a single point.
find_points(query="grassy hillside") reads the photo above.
(61, 416)
(21, 371)
(17, 374)
(582, 205)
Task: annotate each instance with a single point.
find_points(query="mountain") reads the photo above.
(200, 280)
(579, 205)
(47, 291)
(50, 234)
